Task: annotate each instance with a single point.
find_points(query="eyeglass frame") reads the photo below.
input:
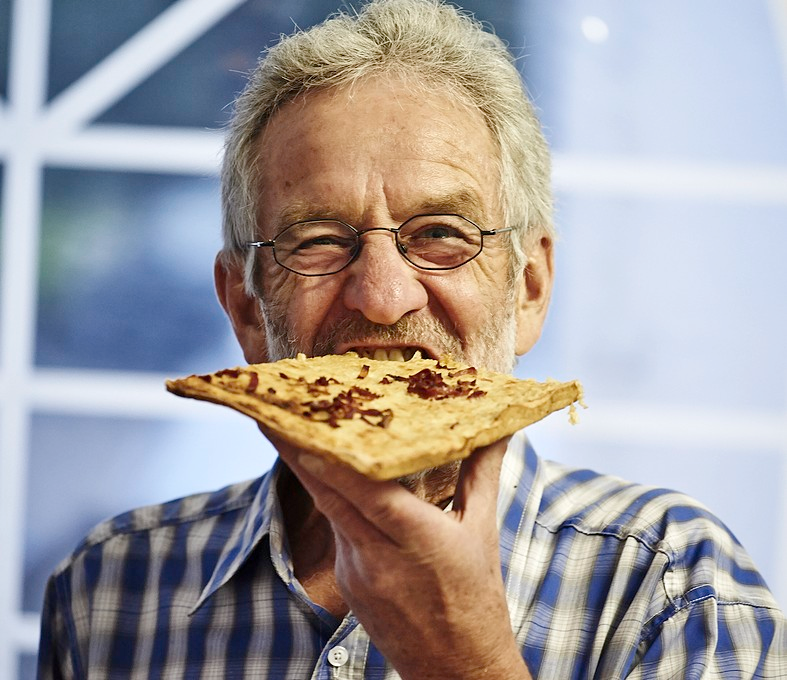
(394, 230)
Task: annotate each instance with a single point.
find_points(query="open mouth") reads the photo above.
(390, 353)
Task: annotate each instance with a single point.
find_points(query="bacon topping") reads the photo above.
(322, 381)
(346, 405)
(389, 378)
(254, 380)
(429, 384)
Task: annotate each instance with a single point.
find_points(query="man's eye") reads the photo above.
(436, 232)
(325, 241)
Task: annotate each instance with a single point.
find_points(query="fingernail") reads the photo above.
(311, 463)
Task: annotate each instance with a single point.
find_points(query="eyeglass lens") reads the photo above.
(427, 241)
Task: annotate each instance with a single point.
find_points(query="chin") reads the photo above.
(433, 484)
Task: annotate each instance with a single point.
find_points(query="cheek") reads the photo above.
(277, 289)
(302, 303)
(469, 298)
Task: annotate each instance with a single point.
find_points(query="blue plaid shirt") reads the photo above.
(604, 579)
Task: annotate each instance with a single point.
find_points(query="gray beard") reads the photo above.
(493, 348)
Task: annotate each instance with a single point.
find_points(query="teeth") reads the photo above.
(392, 354)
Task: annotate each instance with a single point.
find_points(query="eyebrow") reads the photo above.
(298, 211)
(462, 202)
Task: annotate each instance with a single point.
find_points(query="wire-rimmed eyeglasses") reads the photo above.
(320, 247)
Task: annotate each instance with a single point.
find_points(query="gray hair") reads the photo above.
(425, 41)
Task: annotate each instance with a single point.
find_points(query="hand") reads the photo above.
(425, 584)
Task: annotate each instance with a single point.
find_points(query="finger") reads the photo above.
(392, 509)
(313, 473)
(344, 517)
(479, 483)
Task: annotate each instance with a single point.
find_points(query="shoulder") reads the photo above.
(701, 557)
(637, 579)
(186, 516)
(596, 503)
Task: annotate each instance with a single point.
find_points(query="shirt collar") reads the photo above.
(517, 506)
(262, 514)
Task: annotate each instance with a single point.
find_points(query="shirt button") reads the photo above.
(338, 656)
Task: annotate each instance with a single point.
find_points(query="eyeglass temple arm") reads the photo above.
(492, 232)
(258, 244)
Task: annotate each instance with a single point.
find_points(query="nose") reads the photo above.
(381, 284)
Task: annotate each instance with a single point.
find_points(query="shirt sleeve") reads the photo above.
(55, 660)
(709, 639)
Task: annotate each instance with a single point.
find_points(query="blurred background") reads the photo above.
(669, 127)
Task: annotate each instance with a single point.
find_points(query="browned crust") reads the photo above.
(362, 414)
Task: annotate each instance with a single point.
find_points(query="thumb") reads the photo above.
(478, 484)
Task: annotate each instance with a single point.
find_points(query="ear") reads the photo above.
(242, 309)
(535, 290)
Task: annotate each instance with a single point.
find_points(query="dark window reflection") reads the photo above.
(126, 271)
(5, 31)
(196, 86)
(2, 244)
(27, 666)
(84, 32)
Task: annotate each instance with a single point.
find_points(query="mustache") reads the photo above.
(409, 330)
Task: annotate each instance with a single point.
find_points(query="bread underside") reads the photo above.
(385, 419)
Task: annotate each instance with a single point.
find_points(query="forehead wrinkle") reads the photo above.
(460, 202)
(459, 194)
(300, 209)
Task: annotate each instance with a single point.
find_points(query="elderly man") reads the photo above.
(364, 155)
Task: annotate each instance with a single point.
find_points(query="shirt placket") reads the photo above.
(345, 655)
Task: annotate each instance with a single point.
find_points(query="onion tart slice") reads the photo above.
(385, 419)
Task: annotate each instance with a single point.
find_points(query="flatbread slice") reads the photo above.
(385, 419)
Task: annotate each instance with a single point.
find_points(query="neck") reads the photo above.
(436, 486)
(312, 548)
(310, 535)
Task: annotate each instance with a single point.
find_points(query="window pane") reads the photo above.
(126, 272)
(27, 666)
(2, 241)
(672, 79)
(197, 85)
(5, 35)
(653, 295)
(84, 32)
(85, 469)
